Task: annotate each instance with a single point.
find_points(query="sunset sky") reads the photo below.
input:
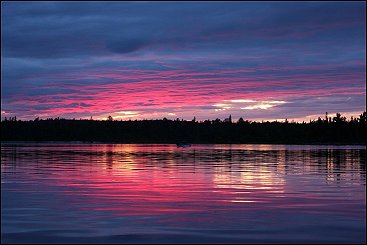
(149, 60)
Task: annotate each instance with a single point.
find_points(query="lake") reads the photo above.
(140, 193)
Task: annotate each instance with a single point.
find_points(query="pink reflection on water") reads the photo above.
(161, 180)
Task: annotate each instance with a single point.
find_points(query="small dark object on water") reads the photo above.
(183, 145)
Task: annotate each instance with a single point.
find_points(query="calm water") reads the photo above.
(112, 193)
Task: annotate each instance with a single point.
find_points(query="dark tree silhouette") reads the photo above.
(363, 117)
(336, 130)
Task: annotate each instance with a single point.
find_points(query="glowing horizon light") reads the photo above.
(127, 112)
(276, 102)
(261, 106)
(222, 106)
(264, 105)
(242, 101)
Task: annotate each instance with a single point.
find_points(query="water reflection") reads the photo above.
(221, 192)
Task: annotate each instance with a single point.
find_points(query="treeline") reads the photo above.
(327, 130)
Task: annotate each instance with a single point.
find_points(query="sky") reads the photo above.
(149, 60)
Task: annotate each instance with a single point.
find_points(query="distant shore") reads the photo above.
(336, 131)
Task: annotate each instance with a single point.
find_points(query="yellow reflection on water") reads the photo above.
(246, 184)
